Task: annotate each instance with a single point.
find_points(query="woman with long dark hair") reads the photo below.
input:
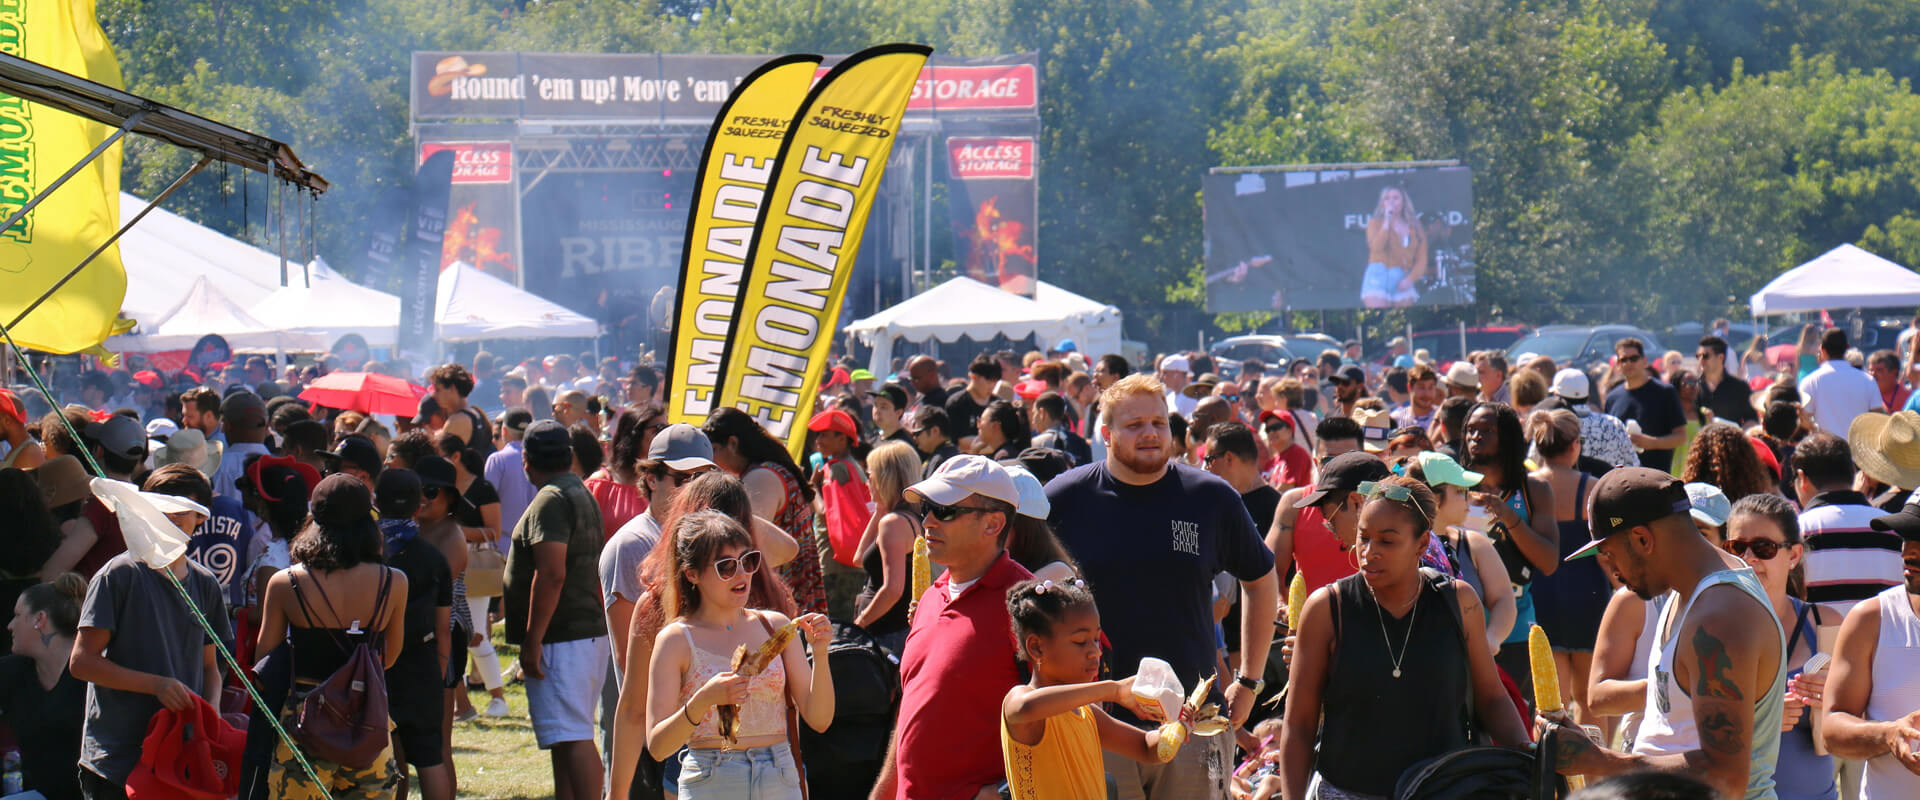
(1519, 509)
(337, 595)
(616, 485)
(779, 491)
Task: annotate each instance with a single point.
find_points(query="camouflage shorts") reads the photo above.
(286, 780)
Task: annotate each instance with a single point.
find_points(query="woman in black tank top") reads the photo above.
(1385, 650)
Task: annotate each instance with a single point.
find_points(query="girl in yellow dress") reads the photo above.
(1052, 728)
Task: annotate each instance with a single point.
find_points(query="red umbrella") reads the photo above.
(366, 392)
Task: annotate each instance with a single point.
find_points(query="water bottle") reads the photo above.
(10, 782)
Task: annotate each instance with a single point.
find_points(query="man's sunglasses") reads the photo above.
(748, 562)
(949, 513)
(1763, 549)
(680, 478)
(1276, 427)
(1631, 359)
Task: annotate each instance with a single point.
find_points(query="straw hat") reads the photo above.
(62, 480)
(1887, 447)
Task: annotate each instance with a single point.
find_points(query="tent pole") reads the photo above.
(132, 120)
(151, 205)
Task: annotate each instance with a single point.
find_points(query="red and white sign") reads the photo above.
(990, 157)
(997, 87)
(475, 162)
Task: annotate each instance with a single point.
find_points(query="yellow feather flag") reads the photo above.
(37, 145)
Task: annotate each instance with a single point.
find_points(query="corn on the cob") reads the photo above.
(1296, 600)
(922, 574)
(750, 663)
(1205, 721)
(1546, 679)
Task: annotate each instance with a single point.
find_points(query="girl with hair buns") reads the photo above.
(1569, 603)
(39, 698)
(691, 673)
(1400, 656)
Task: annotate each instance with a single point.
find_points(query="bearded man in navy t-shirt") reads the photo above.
(1150, 535)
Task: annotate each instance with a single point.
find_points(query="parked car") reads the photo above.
(1231, 352)
(1443, 344)
(1581, 346)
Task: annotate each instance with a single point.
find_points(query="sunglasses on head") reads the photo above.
(1394, 492)
(1763, 549)
(748, 562)
(949, 513)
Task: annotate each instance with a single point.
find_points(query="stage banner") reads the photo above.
(994, 201)
(37, 145)
(482, 224)
(727, 194)
(823, 186)
(420, 271)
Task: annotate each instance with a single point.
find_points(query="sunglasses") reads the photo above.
(1763, 549)
(747, 562)
(1394, 492)
(1231, 398)
(680, 478)
(1631, 359)
(1276, 427)
(949, 513)
(429, 492)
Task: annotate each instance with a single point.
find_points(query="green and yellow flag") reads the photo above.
(37, 144)
(734, 172)
(816, 207)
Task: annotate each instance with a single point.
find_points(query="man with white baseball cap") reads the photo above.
(1602, 436)
(1175, 373)
(947, 742)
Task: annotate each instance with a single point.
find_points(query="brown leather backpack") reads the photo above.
(344, 720)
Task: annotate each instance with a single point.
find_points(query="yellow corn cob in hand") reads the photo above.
(1296, 600)
(922, 574)
(1546, 679)
(1206, 721)
(750, 663)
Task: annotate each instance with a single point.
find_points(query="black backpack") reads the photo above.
(845, 760)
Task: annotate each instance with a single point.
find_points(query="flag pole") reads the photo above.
(75, 170)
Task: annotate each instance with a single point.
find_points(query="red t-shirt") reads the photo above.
(618, 502)
(1318, 553)
(958, 666)
(111, 541)
(1293, 468)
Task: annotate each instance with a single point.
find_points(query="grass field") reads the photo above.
(496, 759)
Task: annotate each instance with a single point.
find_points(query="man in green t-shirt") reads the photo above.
(553, 609)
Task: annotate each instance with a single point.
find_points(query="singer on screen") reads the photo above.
(1396, 252)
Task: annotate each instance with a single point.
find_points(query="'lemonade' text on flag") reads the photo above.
(816, 210)
(738, 163)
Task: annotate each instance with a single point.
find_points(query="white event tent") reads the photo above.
(1844, 277)
(166, 253)
(206, 309)
(472, 305)
(331, 307)
(964, 307)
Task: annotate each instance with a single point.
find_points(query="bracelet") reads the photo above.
(687, 712)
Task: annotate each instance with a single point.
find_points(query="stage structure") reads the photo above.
(573, 174)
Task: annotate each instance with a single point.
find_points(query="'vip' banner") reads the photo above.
(809, 230)
(994, 200)
(732, 182)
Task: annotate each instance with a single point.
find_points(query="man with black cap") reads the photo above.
(119, 443)
(1717, 661)
(553, 609)
(1349, 385)
(415, 681)
(506, 472)
(1316, 525)
(1873, 690)
(358, 457)
(889, 404)
(244, 416)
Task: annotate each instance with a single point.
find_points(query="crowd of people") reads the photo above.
(1039, 576)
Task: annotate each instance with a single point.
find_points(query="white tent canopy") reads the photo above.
(331, 307)
(472, 305)
(166, 253)
(206, 309)
(1844, 277)
(964, 307)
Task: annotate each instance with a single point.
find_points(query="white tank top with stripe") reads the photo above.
(1896, 691)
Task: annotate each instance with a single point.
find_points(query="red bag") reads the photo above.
(849, 507)
(190, 755)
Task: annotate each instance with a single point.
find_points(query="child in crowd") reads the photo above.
(1052, 729)
(1258, 777)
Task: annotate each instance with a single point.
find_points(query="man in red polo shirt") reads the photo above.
(959, 655)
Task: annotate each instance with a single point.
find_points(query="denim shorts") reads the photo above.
(760, 773)
(1383, 282)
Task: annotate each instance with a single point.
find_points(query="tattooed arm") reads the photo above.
(1726, 657)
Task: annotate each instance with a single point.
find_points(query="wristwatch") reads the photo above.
(1256, 684)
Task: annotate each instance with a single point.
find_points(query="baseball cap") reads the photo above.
(838, 377)
(243, 410)
(834, 419)
(1462, 374)
(148, 378)
(357, 451)
(1570, 384)
(1403, 361)
(547, 439)
(1351, 373)
(517, 420)
(964, 475)
(1397, 341)
(1375, 426)
(681, 447)
(862, 374)
(342, 501)
(160, 429)
(1033, 497)
(1440, 469)
(1344, 473)
(120, 435)
(1627, 497)
(397, 493)
(11, 406)
(1710, 505)
(428, 407)
(1065, 346)
(1905, 522)
(1030, 389)
(894, 394)
(1045, 463)
(1175, 363)
(1270, 415)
